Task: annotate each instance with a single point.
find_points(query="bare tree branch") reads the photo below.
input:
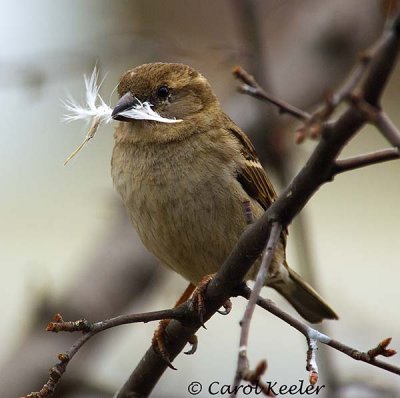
(89, 330)
(388, 129)
(319, 169)
(315, 173)
(356, 162)
(314, 335)
(242, 370)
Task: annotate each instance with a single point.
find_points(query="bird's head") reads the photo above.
(178, 94)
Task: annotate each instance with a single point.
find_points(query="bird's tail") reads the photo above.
(307, 302)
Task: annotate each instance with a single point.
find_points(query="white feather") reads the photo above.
(91, 109)
(96, 111)
(143, 111)
(96, 107)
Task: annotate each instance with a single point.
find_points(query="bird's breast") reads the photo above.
(187, 208)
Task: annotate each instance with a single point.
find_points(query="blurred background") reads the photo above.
(66, 244)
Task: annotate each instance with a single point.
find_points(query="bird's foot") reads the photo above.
(159, 346)
(198, 302)
(158, 342)
(198, 299)
(227, 308)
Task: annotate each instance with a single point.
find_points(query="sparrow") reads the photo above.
(185, 180)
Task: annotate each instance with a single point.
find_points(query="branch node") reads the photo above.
(63, 357)
(59, 325)
(55, 373)
(381, 349)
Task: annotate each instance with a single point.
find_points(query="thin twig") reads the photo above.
(376, 116)
(385, 125)
(334, 99)
(89, 330)
(314, 126)
(354, 79)
(356, 162)
(243, 363)
(252, 88)
(310, 333)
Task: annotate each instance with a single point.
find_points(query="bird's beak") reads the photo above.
(126, 102)
(130, 108)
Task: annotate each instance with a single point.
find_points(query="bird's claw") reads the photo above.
(193, 341)
(198, 298)
(227, 308)
(158, 342)
(198, 302)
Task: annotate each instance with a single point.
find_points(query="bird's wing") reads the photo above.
(252, 175)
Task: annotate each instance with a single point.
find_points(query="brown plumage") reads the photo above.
(184, 184)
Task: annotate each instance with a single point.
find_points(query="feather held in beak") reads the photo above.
(97, 112)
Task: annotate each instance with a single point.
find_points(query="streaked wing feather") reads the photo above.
(252, 175)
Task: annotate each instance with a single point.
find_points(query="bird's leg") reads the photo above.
(197, 295)
(158, 341)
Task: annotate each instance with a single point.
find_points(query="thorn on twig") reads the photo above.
(59, 325)
(381, 349)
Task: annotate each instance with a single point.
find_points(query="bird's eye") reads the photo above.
(163, 92)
